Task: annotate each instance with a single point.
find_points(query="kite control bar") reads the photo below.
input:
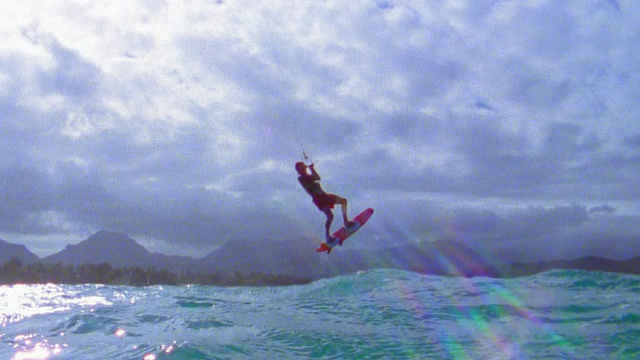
(305, 157)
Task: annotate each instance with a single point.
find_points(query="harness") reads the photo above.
(312, 187)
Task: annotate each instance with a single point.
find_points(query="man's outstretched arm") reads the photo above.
(315, 174)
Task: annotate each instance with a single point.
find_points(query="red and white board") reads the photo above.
(343, 233)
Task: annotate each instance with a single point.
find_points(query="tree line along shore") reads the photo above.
(15, 272)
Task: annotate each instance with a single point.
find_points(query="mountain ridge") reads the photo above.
(297, 258)
(10, 251)
(283, 257)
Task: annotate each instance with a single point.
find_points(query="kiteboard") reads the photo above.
(343, 233)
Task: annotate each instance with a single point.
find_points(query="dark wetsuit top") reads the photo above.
(310, 184)
(320, 198)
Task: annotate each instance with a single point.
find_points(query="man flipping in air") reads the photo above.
(324, 201)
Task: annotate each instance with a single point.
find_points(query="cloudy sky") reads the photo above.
(510, 125)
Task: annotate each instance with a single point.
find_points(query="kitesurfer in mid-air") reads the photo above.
(324, 201)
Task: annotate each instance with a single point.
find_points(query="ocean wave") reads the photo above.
(371, 314)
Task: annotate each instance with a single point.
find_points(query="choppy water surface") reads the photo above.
(377, 314)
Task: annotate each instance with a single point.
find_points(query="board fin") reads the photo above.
(324, 247)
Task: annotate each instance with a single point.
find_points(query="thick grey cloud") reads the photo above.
(500, 124)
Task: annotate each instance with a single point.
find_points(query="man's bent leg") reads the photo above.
(327, 225)
(343, 205)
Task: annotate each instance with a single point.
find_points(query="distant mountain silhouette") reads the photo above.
(293, 258)
(297, 258)
(118, 249)
(9, 251)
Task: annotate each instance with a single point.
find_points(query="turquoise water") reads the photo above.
(377, 314)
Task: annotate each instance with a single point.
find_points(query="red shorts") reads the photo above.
(324, 200)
